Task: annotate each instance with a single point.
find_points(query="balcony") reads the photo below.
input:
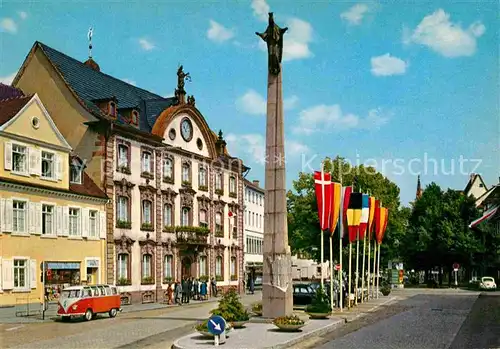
(191, 235)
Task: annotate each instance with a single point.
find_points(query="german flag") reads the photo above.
(346, 196)
(354, 215)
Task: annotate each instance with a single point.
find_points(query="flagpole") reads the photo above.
(350, 268)
(374, 269)
(368, 262)
(331, 271)
(378, 265)
(322, 237)
(341, 233)
(363, 268)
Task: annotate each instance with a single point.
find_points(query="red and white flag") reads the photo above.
(324, 192)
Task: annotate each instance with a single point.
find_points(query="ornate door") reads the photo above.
(186, 267)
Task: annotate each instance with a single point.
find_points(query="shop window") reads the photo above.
(167, 215)
(93, 224)
(48, 165)
(218, 266)
(19, 209)
(203, 218)
(168, 266)
(20, 273)
(74, 220)
(48, 220)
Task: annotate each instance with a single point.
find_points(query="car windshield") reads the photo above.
(70, 294)
(487, 279)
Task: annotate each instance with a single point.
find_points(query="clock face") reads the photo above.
(186, 129)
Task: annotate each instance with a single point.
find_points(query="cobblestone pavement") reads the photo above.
(128, 330)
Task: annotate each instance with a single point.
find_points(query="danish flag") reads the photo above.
(324, 191)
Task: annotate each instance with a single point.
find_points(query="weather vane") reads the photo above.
(89, 36)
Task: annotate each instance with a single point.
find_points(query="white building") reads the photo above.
(253, 233)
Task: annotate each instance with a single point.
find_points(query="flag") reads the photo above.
(323, 186)
(354, 215)
(376, 216)
(386, 220)
(382, 219)
(346, 195)
(371, 205)
(336, 200)
(365, 215)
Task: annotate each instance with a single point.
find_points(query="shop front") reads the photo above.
(59, 275)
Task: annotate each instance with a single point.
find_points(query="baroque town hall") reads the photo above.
(176, 195)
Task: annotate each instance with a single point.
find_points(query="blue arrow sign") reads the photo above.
(216, 325)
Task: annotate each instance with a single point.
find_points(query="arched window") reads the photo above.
(112, 108)
(232, 185)
(186, 174)
(185, 216)
(202, 177)
(218, 181)
(168, 169)
(168, 266)
(218, 266)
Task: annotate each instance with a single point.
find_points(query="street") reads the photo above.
(432, 321)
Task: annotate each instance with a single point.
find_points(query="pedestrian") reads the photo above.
(203, 290)
(170, 291)
(185, 290)
(213, 285)
(178, 292)
(190, 289)
(252, 286)
(196, 286)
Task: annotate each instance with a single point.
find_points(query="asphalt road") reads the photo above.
(425, 321)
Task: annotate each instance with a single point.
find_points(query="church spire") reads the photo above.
(419, 189)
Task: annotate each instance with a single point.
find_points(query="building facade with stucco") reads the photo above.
(254, 230)
(176, 207)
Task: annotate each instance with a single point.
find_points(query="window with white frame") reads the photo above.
(20, 273)
(75, 174)
(185, 217)
(185, 173)
(93, 224)
(19, 158)
(123, 259)
(202, 266)
(168, 168)
(19, 214)
(146, 212)
(74, 220)
(203, 218)
(122, 156)
(233, 266)
(48, 220)
(218, 222)
(47, 165)
(232, 185)
(167, 215)
(146, 162)
(146, 266)
(122, 209)
(218, 181)
(168, 266)
(218, 266)
(202, 177)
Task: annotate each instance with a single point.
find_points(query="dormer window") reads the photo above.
(75, 175)
(112, 109)
(134, 117)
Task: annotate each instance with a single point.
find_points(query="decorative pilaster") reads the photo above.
(159, 225)
(108, 169)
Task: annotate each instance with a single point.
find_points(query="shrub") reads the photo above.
(320, 303)
(230, 308)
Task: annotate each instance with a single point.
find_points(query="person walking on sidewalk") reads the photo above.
(213, 285)
(185, 291)
(196, 288)
(203, 290)
(170, 292)
(178, 292)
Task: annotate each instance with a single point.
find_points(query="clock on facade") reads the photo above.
(186, 129)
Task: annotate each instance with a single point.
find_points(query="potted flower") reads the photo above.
(385, 289)
(257, 308)
(320, 307)
(232, 310)
(202, 328)
(289, 323)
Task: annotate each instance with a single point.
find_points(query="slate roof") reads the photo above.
(7, 91)
(91, 85)
(11, 106)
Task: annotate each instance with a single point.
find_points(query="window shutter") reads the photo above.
(38, 219)
(59, 220)
(85, 222)
(1, 275)
(102, 224)
(33, 274)
(33, 164)
(7, 274)
(152, 163)
(31, 217)
(7, 227)
(2, 218)
(58, 167)
(8, 156)
(65, 221)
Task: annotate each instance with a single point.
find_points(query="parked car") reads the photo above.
(302, 294)
(258, 282)
(487, 283)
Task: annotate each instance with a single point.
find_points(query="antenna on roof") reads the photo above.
(89, 36)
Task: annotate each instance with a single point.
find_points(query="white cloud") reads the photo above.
(254, 103)
(218, 33)
(253, 147)
(437, 32)
(128, 81)
(261, 9)
(328, 118)
(387, 65)
(8, 25)
(355, 14)
(146, 44)
(23, 14)
(7, 80)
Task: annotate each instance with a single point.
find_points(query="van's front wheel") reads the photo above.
(113, 312)
(89, 315)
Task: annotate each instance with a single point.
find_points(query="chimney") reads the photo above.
(256, 182)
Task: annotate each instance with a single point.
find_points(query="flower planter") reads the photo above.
(289, 328)
(318, 315)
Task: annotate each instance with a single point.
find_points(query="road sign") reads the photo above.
(456, 266)
(337, 266)
(216, 325)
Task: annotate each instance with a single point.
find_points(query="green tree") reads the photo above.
(303, 222)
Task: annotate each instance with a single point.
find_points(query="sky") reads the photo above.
(410, 87)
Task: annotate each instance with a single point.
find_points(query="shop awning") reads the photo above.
(487, 215)
(63, 265)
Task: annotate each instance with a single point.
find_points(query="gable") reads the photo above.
(193, 144)
(34, 122)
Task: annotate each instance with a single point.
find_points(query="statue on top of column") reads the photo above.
(273, 36)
